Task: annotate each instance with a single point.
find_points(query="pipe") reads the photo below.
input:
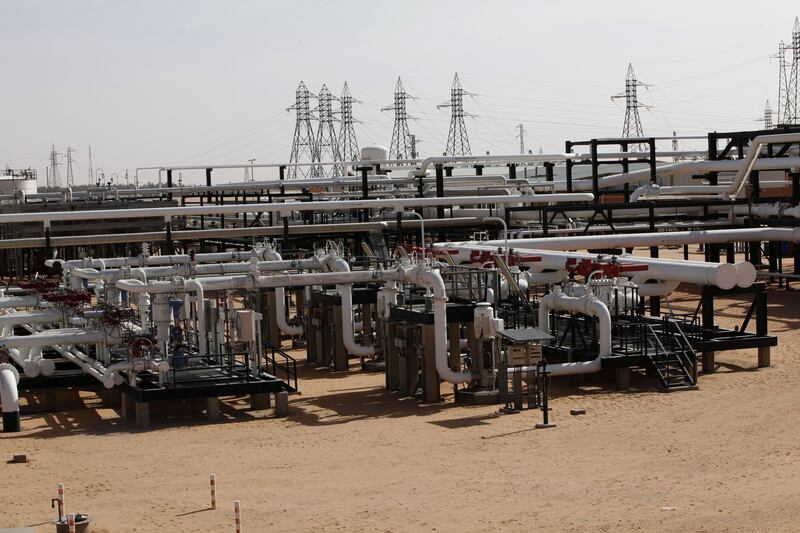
(338, 264)
(665, 238)
(58, 336)
(9, 398)
(7, 322)
(280, 315)
(432, 279)
(18, 301)
(723, 275)
(587, 305)
(193, 285)
(287, 207)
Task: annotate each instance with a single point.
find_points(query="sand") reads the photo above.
(352, 457)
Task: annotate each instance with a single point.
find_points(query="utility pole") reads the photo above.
(252, 170)
(304, 150)
(521, 138)
(457, 139)
(70, 160)
(633, 124)
(400, 146)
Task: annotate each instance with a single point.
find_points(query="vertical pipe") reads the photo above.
(568, 163)
(595, 171)
(439, 190)
(237, 515)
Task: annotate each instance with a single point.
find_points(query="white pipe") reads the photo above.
(665, 238)
(337, 264)
(723, 275)
(58, 336)
(662, 288)
(193, 285)
(289, 207)
(9, 397)
(432, 279)
(280, 315)
(34, 317)
(18, 301)
(587, 305)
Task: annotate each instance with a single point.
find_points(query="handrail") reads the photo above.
(288, 367)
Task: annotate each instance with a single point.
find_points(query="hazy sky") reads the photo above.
(176, 82)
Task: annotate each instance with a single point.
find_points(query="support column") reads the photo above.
(259, 401)
(340, 357)
(142, 414)
(430, 385)
(127, 408)
(281, 404)
(623, 377)
(709, 365)
(213, 408)
(392, 358)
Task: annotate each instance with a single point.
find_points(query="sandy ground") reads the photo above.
(352, 457)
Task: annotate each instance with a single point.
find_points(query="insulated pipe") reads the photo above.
(280, 315)
(9, 398)
(193, 285)
(723, 275)
(88, 366)
(58, 336)
(18, 301)
(432, 279)
(338, 264)
(288, 207)
(7, 322)
(587, 305)
(662, 288)
(665, 238)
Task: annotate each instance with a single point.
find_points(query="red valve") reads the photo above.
(609, 269)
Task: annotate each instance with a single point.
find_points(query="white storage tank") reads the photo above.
(374, 153)
(12, 184)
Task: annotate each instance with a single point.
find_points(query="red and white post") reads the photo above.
(237, 513)
(60, 502)
(71, 522)
(213, 491)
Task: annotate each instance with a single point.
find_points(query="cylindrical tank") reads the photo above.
(374, 153)
(12, 184)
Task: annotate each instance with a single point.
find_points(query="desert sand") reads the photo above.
(353, 457)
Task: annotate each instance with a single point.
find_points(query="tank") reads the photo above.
(374, 153)
(12, 184)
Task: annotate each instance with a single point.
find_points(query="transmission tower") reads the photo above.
(54, 176)
(521, 138)
(457, 140)
(348, 145)
(70, 160)
(767, 118)
(401, 145)
(782, 83)
(91, 170)
(414, 141)
(303, 144)
(675, 145)
(327, 142)
(790, 110)
(633, 124)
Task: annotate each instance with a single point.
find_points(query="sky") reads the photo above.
(163, 82)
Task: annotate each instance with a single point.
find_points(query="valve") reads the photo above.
(611, 268)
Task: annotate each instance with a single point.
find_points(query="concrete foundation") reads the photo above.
(623, 377)
(282, 403)
(259, 401)
(213, 409)
(142, 413)
(763, 356)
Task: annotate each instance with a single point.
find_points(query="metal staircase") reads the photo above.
(281, 365)
(670, 355)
